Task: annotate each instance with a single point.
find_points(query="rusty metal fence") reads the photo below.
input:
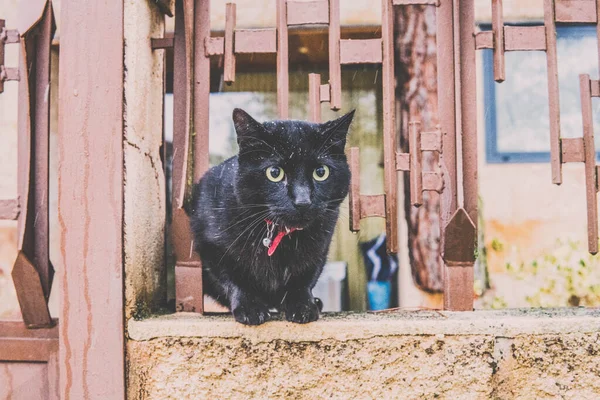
(193, 48)
(455, 139)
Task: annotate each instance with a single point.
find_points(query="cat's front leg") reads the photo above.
(246, 308)
(300, 306)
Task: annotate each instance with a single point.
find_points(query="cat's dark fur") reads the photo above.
(233, 200)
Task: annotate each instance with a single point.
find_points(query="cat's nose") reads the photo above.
(302, 199)
(302, 203)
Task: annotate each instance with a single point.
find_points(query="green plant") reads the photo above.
(569, 276)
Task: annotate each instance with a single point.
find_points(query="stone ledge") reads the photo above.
(351, 326)
(530, 354)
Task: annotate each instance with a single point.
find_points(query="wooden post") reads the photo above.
(90, 200)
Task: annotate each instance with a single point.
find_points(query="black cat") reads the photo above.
(263, 220)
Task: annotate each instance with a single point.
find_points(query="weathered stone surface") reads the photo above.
(479, 355)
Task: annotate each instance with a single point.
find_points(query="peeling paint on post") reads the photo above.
(90, 200)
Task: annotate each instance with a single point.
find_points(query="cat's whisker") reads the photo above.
(251, 225)
(244, 219)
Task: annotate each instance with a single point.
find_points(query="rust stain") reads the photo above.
(64, 325)
(522, 234)
(11, 384)
(86, 237)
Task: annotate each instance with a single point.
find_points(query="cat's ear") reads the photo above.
(335, 132)
(244, 124)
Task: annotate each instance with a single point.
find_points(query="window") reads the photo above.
(516, 111)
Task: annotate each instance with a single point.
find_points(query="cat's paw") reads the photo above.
(302, 312)
(251, 314)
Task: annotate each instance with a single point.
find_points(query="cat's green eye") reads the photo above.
(321, 173)
(275, 174)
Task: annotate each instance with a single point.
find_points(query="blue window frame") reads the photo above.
(516, 111)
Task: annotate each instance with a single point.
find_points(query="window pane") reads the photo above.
(521, 110)
(522, 104)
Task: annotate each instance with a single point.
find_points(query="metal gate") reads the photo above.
(193, 48)
(455, 139)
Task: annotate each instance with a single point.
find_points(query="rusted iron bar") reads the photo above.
(431, 141)
(468, 103)
(432, 181)
(498, 32)
(335, 67)
(8, 74)
(364, 51)
(32, 272)
(372, 205)
(162, 43)
(447, 109)
(572, 150)
(314, 98)
(214, 46)
(324, 93)
(459, 234)
(90, 200)
(283, 78)
(416, 177)
(19, 344)
(595, 88)
(38, 223)
(484, 40)
(307, 12)
(188, 274)
(553, 93)
(447, 118)
(402, 161)
(525, 38)
(8, 36)
(9, 209)
(361, 206)
(416, 3)
(246, 41)
(596, 84)
(256, 41)
(201, 88)
(575, 11)
(229, 60)
(188, 269)
(389, 127)
(591, 186)
(459, 249)
(354, 195)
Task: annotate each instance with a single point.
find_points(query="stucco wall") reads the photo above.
(486, 354)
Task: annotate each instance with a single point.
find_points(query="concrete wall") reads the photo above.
(481, 355)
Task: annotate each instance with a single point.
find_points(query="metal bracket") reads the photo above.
(7, 36)
(421, 181)
(162, 43)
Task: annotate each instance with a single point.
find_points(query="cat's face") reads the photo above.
(296, 169)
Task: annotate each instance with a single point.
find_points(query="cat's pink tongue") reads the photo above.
(277, 240)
